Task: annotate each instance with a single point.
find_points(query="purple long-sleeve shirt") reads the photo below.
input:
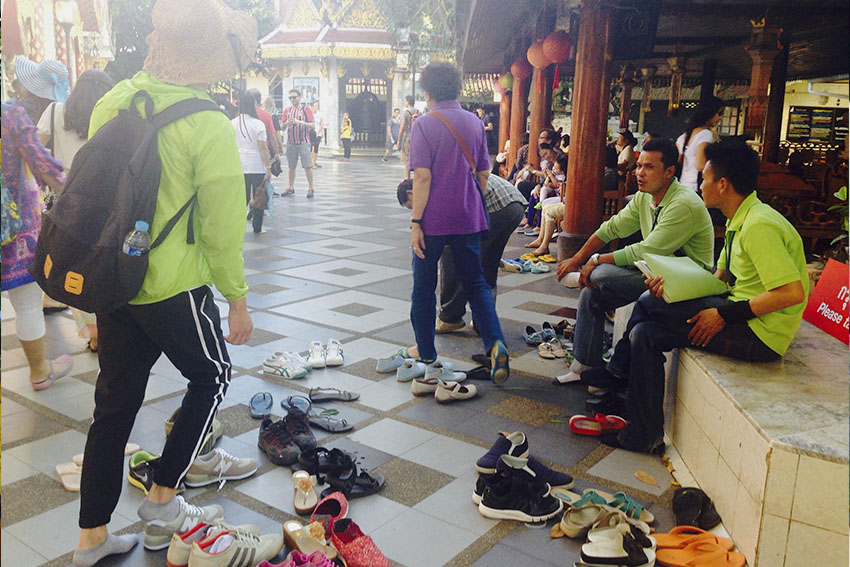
(454, 203)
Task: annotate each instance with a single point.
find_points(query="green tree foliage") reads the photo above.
(131, 24)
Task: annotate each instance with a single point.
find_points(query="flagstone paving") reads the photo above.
(337, 266)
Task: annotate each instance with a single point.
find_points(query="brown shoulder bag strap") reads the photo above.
(460, 141)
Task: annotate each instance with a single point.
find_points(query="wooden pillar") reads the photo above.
(775, 107)
(519, 104)
(583, 211)
(709, 71)
(548, 77)
(627, 81)
(538, 114)
(763, 47)
(504, 120)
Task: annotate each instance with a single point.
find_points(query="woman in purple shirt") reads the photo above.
(448, 210)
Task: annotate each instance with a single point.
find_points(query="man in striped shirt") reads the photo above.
(298, 122)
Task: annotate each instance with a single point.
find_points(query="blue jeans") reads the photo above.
(654, 328)
(466, 251)
(615, 286)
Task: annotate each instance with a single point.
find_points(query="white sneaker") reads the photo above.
(571, 280)
(443, 371)
(294, 357)
(333, 353)
(316, 355)
(285, 368)
(235, 548)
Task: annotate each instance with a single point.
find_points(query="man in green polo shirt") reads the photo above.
(765, 268)
(672, 220)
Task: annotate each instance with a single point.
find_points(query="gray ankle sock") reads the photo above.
(152, 511)
(113, 545)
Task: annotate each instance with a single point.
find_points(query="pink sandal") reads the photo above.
(65, 360)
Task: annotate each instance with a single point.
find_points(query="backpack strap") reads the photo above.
(183, 108)
(460, 141)
(169, 226)
(167, 116)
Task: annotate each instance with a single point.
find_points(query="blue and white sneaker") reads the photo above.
(390, 364)
(409, 370)
(443, 371)
(316, 355)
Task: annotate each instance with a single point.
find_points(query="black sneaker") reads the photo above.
(518, 494)
(298, 428)
(276, 442)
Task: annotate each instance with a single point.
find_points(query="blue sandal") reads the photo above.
(261, 405)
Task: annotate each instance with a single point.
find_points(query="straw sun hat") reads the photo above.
(48, 79)
(195, 42)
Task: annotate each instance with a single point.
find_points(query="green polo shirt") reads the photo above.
(680, 221)
(766, 253)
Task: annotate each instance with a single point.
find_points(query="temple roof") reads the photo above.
(321, 36)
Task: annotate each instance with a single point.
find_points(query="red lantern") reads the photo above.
(557, 48)
(521, 70)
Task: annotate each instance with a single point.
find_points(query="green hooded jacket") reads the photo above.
(199, 155)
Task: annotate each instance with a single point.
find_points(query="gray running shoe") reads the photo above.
(158, 532)
(218, 466)
(391, 364)
(410, 370)
(443, 371)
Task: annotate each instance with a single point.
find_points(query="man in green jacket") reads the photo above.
(672, 220)
(174, 313)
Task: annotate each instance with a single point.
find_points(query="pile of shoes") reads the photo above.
(614, 537)
(513, 485)
(330, 537)
(437, 378)
(218, 544)
(292, 366)
(284, 440)
(339, 470)
(217, 466)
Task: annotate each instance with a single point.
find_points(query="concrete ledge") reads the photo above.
(769, 444)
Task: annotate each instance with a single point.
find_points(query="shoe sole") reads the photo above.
(335, 363)
(517, 515)
(499, 366)
(156, 544)
(137, 484)
(215, 480)
(476, 498)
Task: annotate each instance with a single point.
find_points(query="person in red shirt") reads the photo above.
(266, 119)
(298, 122)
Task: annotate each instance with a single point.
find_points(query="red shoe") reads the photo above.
(356, 548)
(331, 508)
(600, 424)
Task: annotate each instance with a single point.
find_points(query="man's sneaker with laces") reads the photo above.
(333, 353)
(140, 470)
(218, 466)
(235, 549)
(316, 355)
(298, 427)
(390, 364)
(409, 370)
(516, 494)
(277, 443)
(514, 444)
(284, 366)
(158, 532)
(181, 543)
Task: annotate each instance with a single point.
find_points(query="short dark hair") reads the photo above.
(441, 80)
(91, 86)
(630, 138)
(653, 134)
(401, 191)
(733, 159)
(256, 94)
(394, 109)
(296, 91)
(610, 157)
(562, 162)
(668, 149)
(410, 99)
(565, 140)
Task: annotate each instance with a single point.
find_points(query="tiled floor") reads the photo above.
(337, 266)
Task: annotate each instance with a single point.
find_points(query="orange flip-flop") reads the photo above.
(682, 536)
(700, 554)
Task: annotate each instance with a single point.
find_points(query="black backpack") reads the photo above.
(113, 183)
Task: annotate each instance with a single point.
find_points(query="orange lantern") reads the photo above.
(557, 48)
(521, 70)
(539, 60)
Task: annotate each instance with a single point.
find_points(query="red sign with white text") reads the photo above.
(827, 307)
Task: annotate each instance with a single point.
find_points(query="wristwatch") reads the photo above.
(594, 260)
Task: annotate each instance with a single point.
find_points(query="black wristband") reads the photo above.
(736, 312)
(417, 221)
